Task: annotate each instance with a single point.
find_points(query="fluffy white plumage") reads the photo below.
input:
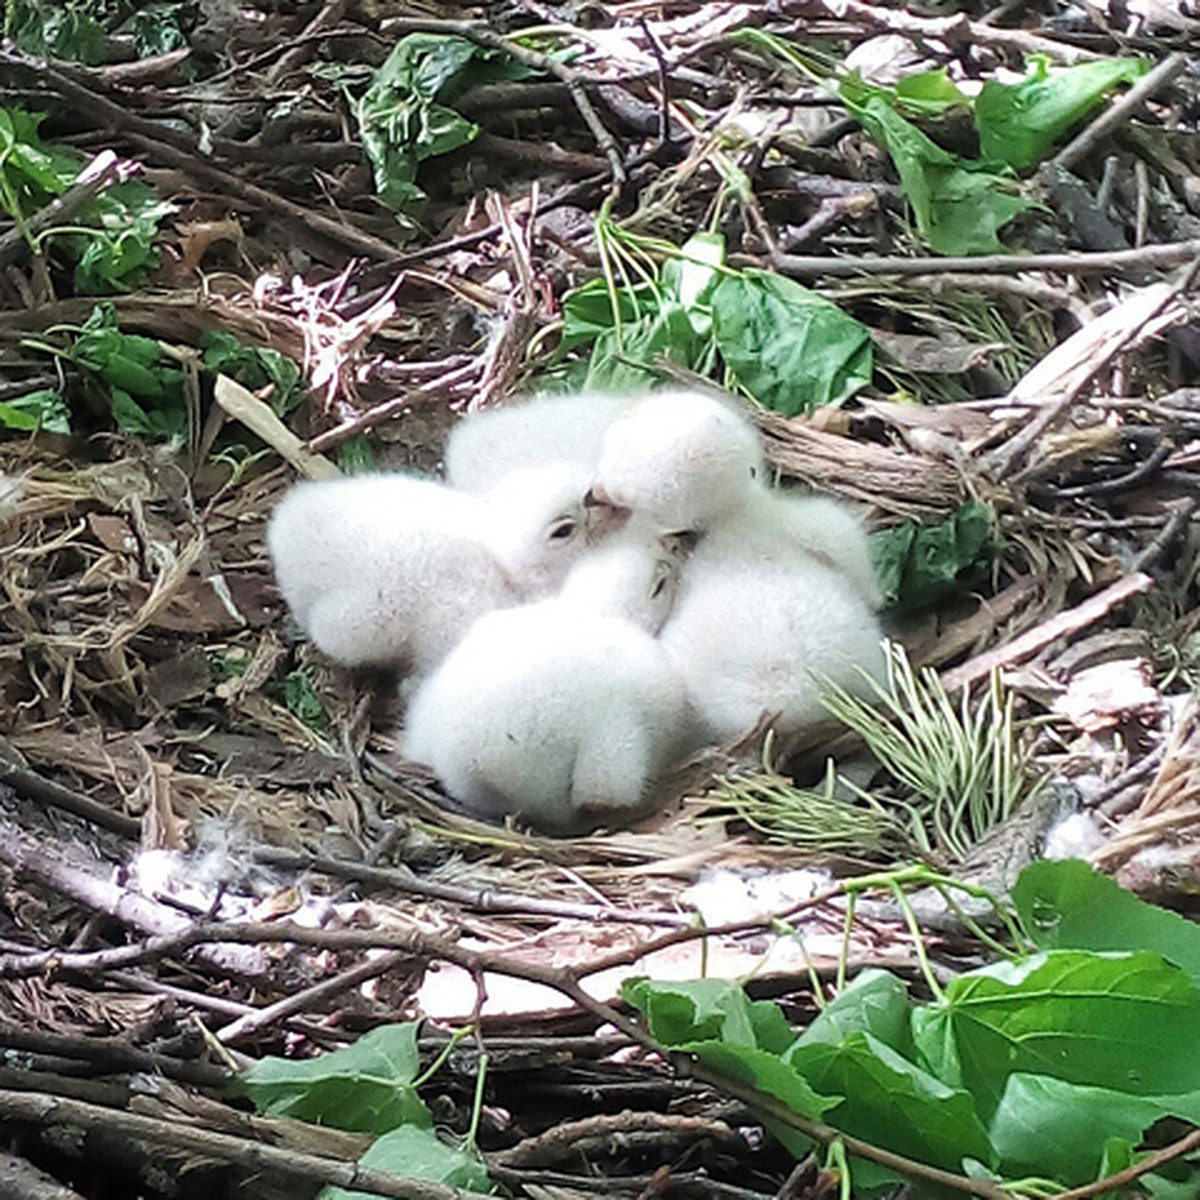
(780, 590)
(392, 570)
(754, 633)
(486, 446)
(560, 711)
(682, 460)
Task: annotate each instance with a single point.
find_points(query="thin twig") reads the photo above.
(1123, 110)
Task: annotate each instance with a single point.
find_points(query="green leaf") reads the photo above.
(159, 29)
(772, 1075)
(701, 1010)
(255, 367)
(692, 278)
(302, 700)
(403, 116)
(959, 207)
(588, 310)
(43, 409)
(1126, 1022)
(356, 455)
(918, 564)
(367, 1087)
(60, 30)
(1049, 1127)
(628, 359)
(891, 1102)
(789, 348)
(1019, 123)
(412, 1153)
(1069, 905)
(874, 1002)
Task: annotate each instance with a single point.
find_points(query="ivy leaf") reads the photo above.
(43, 409)
(255, 367)
(367, 1087)
(918, 564)
(790, 349)
(413, 1153)
(1070, 905)
(1125, 1022)
(874, 1002)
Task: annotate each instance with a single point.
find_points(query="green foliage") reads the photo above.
(1019, 123)
(255, 367)
(405, 117)
(56, 30)
(161, 28)
(43, 409)
(959, 205)
(962, 763)
(786, 347)
(918, 565)
(790, 349)
(369, 1087)
(302, 700)
(112, 241)
(1053, 1066)
(1072, 906)
(144, 388)
(415, 1153)
(356, 456)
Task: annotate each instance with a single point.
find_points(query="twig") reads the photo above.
(482, 899)
(153, 140)
(1113, 262)
(1071, 621)
(262, 1018)
(244, 406)
(21, 1180)
(33, 786)
(1151, 1162)
(1150, 554)
(54, 1111)
(958, 30)
(1123, 110)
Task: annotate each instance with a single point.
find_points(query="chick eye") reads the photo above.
(658, 589)
(562, 531)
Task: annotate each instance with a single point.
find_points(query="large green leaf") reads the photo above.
(891, 1102)
(790, 348)
(367, 1087)
(1127, 1022)
(588, 310)
(1069, 905)
(412, 1153)
(1052, 1128)
(875, 1002)
(630, 358)
(1019, 123)
(404, 117)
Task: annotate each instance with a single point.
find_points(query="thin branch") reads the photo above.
(1151, 1162)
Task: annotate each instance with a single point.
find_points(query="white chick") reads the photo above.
(691, 461)
(559, 712)
(757, 633)
(779, 591)
(682, 460)
(391, 570)
(485, 446)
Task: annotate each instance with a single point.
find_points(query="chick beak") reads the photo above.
(603, 516)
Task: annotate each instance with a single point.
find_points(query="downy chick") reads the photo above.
(391, 570)
(485, 446)
(687, 461)
(779, 590)
(559, 712)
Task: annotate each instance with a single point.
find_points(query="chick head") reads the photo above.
(682, 460)
(536, 524)
(633, 578)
